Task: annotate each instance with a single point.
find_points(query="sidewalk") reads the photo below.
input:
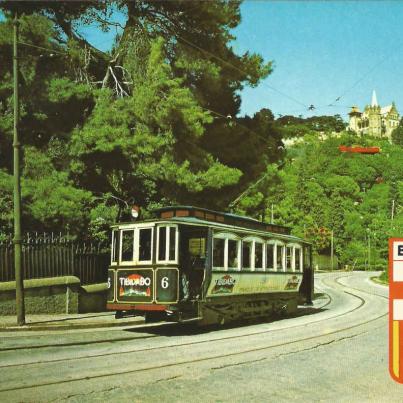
(67, 321)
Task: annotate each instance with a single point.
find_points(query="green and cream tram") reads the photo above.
(194, 263)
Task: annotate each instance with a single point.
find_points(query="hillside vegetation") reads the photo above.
(321, 190)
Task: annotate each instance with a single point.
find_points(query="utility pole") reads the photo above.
(17, 240)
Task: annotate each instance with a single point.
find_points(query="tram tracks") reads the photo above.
(179, 363)
(136, 350)
(190, 343)
(183, 362)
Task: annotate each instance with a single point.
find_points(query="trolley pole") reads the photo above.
(17, 240)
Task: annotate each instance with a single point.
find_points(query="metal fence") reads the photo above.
(48, 255)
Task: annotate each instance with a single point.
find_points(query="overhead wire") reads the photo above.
(362, 78)
(42, 48)
(236, 68)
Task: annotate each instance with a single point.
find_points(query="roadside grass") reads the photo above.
(382, 279)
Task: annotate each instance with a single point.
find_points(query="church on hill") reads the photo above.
(376, 121)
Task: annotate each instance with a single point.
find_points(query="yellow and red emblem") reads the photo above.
(396, 309)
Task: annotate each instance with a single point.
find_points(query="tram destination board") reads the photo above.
(134, 285)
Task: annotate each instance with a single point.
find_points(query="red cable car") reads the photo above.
(359, 149)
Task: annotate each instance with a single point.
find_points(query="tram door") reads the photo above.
(193, 247)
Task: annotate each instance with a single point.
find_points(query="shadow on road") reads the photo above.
(188, 329)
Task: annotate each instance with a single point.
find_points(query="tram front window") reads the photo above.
(218, 252)
(145, 244)
(127, 246)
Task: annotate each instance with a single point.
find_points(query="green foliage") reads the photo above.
(139, 123)
(292, 126)
(50, 198)
(397, 136)
(323, 190)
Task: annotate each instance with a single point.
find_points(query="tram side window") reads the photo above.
(145, 244)
(288, 258)
(115, 245)
(258, 256)
(127, 246)
(233, 259)
(280, 251)
(218, 252)
(298, 259)
(270, 256)
(246, 254)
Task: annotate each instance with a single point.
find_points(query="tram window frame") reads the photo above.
(238, 254)
(166, 256)
(273, 246)
(135, 246)
(253, 240)
(280, 246)
(121, 261)
(115, 247)
(226, 237)
(218, 239)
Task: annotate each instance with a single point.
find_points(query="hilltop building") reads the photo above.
(376, 121)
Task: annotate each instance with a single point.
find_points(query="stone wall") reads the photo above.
(54, 295)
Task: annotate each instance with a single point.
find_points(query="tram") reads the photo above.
(196, 264)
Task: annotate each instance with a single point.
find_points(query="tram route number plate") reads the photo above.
(166, 285)
(396, 309)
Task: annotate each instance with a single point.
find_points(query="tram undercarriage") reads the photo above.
(222, 311)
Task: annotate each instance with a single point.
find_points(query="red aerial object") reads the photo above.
(359, 149)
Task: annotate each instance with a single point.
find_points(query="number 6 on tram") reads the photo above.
(197, 264)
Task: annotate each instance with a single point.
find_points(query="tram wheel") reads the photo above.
(155, 317)
(119, 315)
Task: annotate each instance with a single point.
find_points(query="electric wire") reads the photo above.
(362, 78)
(236, 68)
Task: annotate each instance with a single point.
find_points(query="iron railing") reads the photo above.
(50, 255)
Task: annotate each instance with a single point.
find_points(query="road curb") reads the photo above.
(70, 326)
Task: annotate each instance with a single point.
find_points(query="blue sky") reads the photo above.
(320, 51)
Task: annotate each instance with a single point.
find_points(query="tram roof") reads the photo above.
(220, 217)
(225, 221)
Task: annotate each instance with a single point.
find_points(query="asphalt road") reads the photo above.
(336, 351)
